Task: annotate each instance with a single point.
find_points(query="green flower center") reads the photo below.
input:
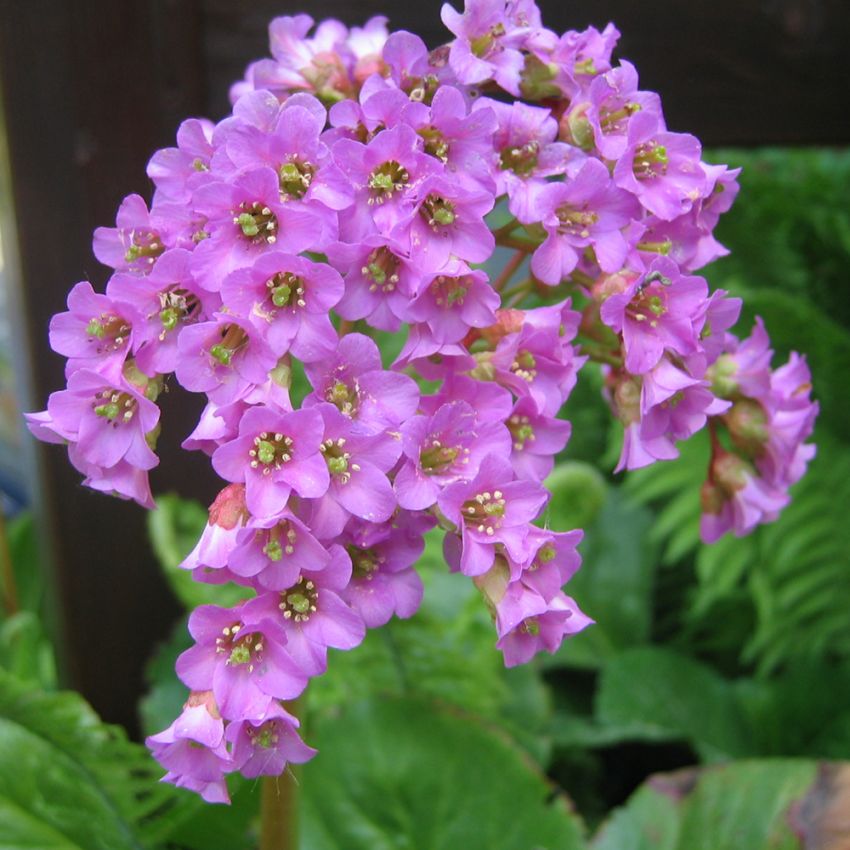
(280, 540)
(381, 269)
(483, 44)
(435, 143)
(525, 366)
(521, 430)
(240, 650)
(298, 603)
(295, 178)
(364, 562)
(257, 223)
(344, 397)
(575, 222)
(650, 161)
(111, 332)
(145, 247)
(386, 180)
(266, 736)
(437, 211)
(522, 160)
(484, 512)
(438, 458)
(286, 290)
(115, 407)
(338, 460)
(233, 338)
(270, 451)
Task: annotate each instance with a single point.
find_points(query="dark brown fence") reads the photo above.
(90, 88)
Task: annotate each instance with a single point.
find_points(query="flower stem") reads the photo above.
(581, 279)
(508, 271)
(279, 807)
(506, 229)
(519, 243)
(279, 812)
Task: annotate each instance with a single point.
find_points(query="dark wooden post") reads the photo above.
(90, 90)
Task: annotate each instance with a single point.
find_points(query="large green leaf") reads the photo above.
(25, 648)
(70, 782)
(753, 805)
(405, 774)
(654, 693)
(802, 711)
(66, 780)
(614, 583)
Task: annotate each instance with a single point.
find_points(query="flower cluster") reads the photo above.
(361, 182)
(767, 419)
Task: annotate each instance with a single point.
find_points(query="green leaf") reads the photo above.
(658, 695)
(614, 583)
(21, 536)
(674, 485)
(66, 780)
(197, 825)
(739, 806)
(789, 230)
(70, 782)
(403, 774)
(590, 416)
(25, 648)
(801, 712)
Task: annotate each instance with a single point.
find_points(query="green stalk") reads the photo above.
(279, 812)
(279, 807)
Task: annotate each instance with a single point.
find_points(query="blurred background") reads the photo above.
(700, 655)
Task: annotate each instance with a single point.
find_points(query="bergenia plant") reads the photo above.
(364, 182)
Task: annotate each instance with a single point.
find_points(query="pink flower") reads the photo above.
(274, 454)
(245, 665)
(661, 310)
(589, 211)
(491, 508)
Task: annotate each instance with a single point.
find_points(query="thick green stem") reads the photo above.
(279, 808)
